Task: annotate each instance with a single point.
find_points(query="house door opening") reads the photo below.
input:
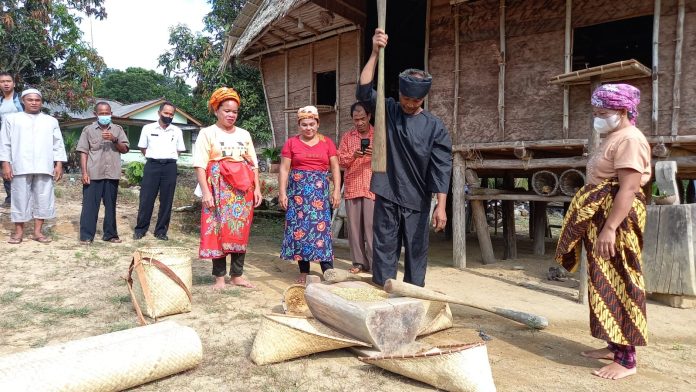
(405, 26)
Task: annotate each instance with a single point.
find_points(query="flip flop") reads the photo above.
(42, 239)
(14, 240)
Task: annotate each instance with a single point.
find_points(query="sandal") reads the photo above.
(14, 240)
(42, 239)
(114, 240)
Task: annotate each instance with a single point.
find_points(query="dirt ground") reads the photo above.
(63, 291)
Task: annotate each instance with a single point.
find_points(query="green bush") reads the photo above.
(272, 154)
(134, 172)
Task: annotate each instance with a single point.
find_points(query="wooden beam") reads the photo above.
(455, 108)
(501, 74)
(676, 90)
(311, 74)
(337, 103)
(567, 65)
(305, 41)
(304, 25)
(355, 15)
(540, 221)
(520, 197)
(287, 76)
(458, 212)
(655, 67)
(559, 143)
(276, 36)
(533, 164)
(265, 97)
(509, 234)
(283, 31)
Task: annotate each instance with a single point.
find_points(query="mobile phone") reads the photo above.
(364, 143)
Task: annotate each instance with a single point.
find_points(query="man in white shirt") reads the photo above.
(160, 142)
(32, 154)
(10, 102)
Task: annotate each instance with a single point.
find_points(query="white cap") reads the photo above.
(31, 91)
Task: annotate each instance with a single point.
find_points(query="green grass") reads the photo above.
(233, 292)
(119, 326)
(15, 320)
(270, 227)
(61, 311)
(202, 279)
(125, 195)
(120, 299)
(9, 296)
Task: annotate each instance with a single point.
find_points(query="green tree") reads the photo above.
(198, 54)
(138, 84)
(41, 44)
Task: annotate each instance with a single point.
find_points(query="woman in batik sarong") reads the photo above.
(304, 193)
(226, 169)
(608, 216)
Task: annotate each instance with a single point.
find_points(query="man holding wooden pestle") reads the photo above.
(419, 163)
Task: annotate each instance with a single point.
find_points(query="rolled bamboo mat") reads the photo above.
(110, 362)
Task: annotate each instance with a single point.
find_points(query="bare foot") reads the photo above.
(600, 353)
(302, 279)
(219, 283)
(239, 281)
(614, 371)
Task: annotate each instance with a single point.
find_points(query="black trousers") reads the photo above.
(392, 226)
(236, 265)
(8, 190)
(159, 176)
(304, 266)
(92, 196)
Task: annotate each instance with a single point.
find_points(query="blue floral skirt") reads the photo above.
(308, 218)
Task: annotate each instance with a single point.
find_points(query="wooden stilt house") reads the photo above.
(511, 79)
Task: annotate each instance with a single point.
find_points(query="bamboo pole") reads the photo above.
(337, 103)
(655, 66)
(455, 108)
(311, 74)
(459, 212)
(268, 106)
(426, 53)
(287, 120)
(379, 143)
(501, 74)
(676, 93)
(567, 66)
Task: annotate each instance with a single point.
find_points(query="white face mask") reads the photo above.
(604, 125)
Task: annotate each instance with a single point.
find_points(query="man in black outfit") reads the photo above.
(419, 164)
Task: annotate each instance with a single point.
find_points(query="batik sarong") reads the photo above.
(616, 286)
(308, 218)
(225, 227)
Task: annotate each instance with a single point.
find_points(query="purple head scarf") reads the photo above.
(617, 97)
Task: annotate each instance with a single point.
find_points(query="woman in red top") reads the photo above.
(304, 194)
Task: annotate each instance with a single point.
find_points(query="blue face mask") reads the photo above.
(104, 120)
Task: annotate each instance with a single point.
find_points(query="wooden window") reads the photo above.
(326, 88)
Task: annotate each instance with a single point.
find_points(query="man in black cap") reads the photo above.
(419, 164)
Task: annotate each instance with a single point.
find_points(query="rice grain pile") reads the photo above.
(367, 294)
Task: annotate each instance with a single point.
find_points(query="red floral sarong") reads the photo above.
(225, 227)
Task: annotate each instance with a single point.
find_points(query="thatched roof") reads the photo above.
(252, 19)
(266, 26)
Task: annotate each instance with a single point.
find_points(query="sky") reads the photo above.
(136, 32)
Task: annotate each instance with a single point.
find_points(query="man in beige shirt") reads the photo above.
(101, 145)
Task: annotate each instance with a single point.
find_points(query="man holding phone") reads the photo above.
(354, 156)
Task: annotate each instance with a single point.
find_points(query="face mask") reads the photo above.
(604, 125)
(166, 120)
(104, 120)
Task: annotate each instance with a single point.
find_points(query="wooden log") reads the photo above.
(567, 65)
(676, 90)
(665, 177)
(534, 164)
(509, 234)
(387, 324)
(484, 237)
(501, 73)
(455, 107)
(539, 228)
(459, 212)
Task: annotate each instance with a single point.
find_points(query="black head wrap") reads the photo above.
(413, 85)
